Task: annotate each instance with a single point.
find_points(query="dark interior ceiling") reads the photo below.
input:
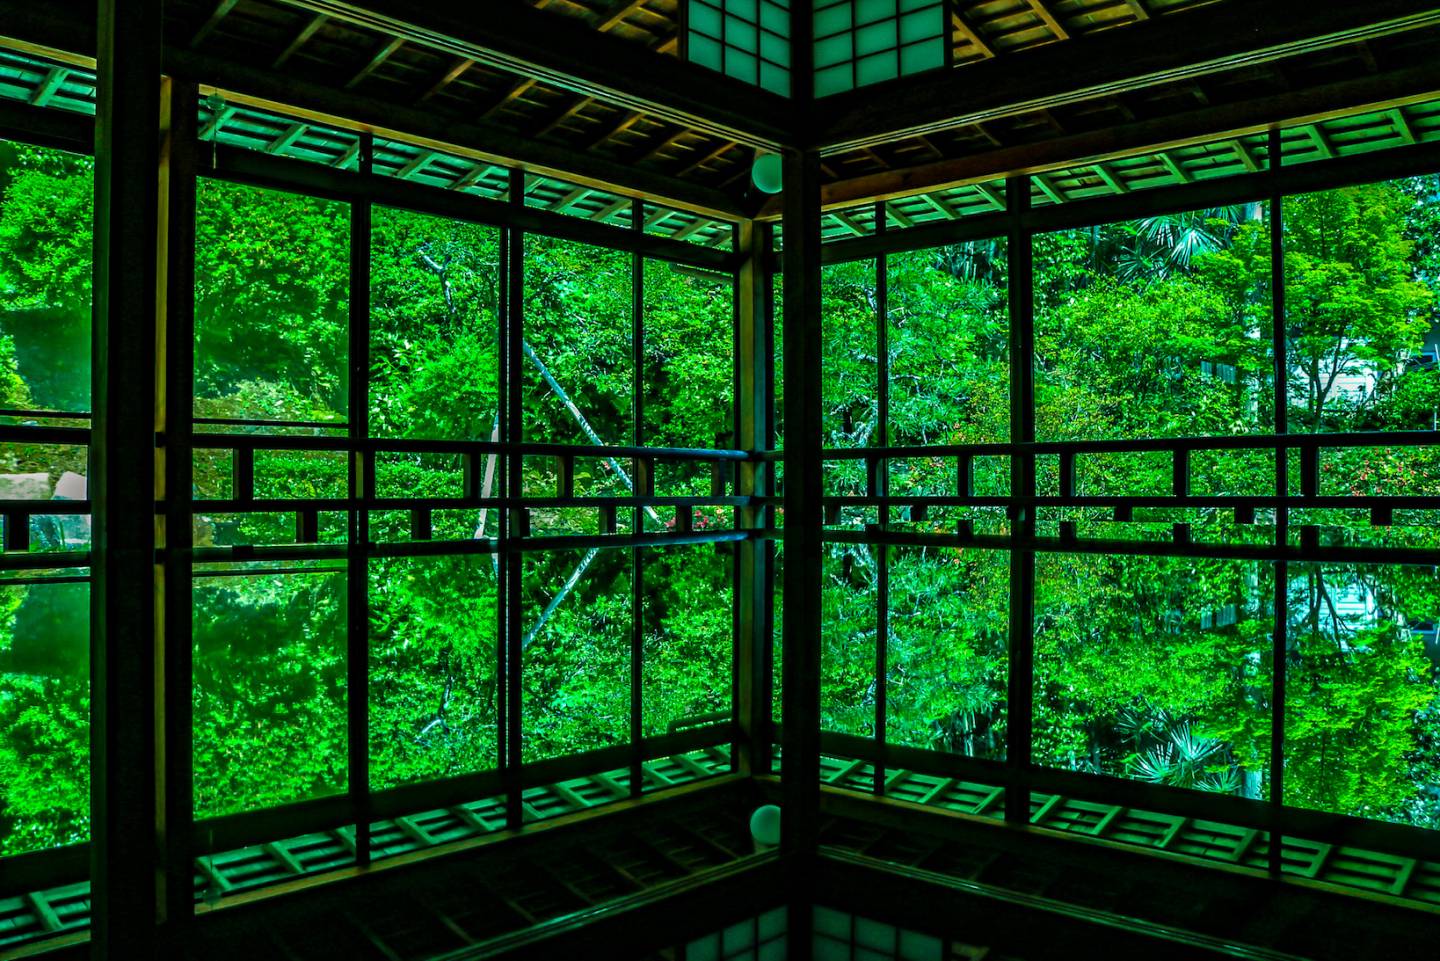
(344, 54)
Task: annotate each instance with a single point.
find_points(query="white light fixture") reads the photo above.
(767, 172)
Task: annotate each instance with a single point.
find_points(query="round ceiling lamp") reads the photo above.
(767, 172)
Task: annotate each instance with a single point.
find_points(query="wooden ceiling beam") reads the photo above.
(386, 51)
(516, 91)
(303, 37)
(617, 13)
(456, 71)
(1402, 126)
(1181, 46)
(1204, 125)
(1174, 167)
(990, 195)
(977, 40)
(710, 157)
(658, 148)
(609, 210)
(942, 205)
(1049, 188)
(413, 167)
(222, 10)
(898, 216)
(847, 222)
(626, 121)
(1321, 142)
(1138, 9)
(49, 86)
(1042, 10)
(575, 106)
(473, 139)
(1107, 175)
(516, 38)
(691, 229)
(291, 134)
(1247, 159)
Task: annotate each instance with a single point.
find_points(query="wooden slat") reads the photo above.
(457, 69)
(617, 13)
(222, 10)
(384, 53)
(1137, 7)
(52, 82)
(303, 37)
(1042, 10)
(963, 26)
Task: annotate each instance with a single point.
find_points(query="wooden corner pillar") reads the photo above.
(800, 763)
(754, 636)
(125, 853)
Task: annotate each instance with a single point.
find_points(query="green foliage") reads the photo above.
(1147, 668)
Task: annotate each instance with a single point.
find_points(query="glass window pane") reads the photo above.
(849, 372)
(434, 327)
(1362, 692)
(689, 638)
(689, 370)
(272, 273)
(576, 636)
(1155, 328)
(1155, 669)
(270, 722)
(579, 369)
(44, 716)
(849, 604)
(433, 660)
(949, 362)
(45, 273)
(948, 656)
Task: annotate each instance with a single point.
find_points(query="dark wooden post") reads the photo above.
(125, 862)
(180, 106)
(752, 640)
(803, 548)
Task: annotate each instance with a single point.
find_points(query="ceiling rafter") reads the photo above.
(709, 157)
(568, 113)
(222, 10)
(287, 138)
(1402, 125)
(52, 83)
(894, 213)
(942, 205)
(617, 13)
(386, 51)
(1103, 171)
(515, 92)
(1049, 188)
(456, 71)
(1042, 10)
(610, 210)
(847, 222)
(990, 195)
(1175, 169)
(1168, 49)
(470, 177)
(1138, 9)
(692, 228)
(301, 38)
(655, 150)
(626, 121)
(1246, 158)
(1321, 141)
(977, 40)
